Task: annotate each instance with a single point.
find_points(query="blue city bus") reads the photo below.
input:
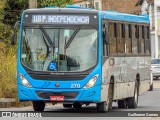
(77, 56)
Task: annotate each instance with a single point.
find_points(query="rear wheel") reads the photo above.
(122, 104)
(38, 105)
(67, 105)
(102, 107)
(133, 101)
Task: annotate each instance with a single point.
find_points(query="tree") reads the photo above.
(32, 3)
(12, 11)
(60, 3)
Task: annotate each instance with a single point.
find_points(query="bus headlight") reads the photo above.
(24, 81)
(91, 82)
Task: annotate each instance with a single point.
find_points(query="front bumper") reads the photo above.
(70, 95)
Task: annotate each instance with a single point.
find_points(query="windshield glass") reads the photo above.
(155, 61)
(59, 49)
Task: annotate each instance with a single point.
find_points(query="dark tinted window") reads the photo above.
(155, 61)
(112, 38)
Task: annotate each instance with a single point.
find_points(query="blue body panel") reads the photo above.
(85, 95)
(89, 94)
(125, 17)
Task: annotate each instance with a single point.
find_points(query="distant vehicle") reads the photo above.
(155, 67)
(76, 56)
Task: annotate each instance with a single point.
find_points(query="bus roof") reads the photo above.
(125, 17)
(111, 15)
(52, 10)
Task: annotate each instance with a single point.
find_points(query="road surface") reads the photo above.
(149, 101)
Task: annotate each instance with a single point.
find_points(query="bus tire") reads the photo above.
(133, 101)
(67, 105)
(122, 104)
(77, 105)
(38, 105)
(102, 107)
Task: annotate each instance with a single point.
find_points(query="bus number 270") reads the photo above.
(75, 85)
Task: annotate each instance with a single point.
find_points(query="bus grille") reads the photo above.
(46, 95)
(57, 77)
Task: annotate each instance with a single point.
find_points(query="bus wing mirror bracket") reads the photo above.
(14, 34)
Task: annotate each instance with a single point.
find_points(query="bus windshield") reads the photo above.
(59, 49)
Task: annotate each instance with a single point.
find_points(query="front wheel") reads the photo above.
(102, 107)
(38, 105)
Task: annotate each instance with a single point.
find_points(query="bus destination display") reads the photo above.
(69, 19)
(63, 19)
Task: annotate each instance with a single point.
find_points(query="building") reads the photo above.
(125, 6)
(152, 8)
(97, 4)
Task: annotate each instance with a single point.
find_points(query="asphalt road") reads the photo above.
(149, 101)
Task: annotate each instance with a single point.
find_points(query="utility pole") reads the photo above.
(32, 4)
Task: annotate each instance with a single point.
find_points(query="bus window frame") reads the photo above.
(140, 40)
(119, 36)
(128, 36)
(148, 38)
(104, 44)
(131, 24)
(114, 35)
(133, 37)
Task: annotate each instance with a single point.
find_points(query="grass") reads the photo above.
(8, 83)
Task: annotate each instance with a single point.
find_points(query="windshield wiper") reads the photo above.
(72, 37)
(48, 38)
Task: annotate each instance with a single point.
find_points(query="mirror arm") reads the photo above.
(15, 26)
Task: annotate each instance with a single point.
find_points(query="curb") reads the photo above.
(7, 100)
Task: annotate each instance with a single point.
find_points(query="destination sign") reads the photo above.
(60, 19)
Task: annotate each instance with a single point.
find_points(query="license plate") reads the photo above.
(57, 98)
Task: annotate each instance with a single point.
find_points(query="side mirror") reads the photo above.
(13, 38)
(14, 35)
(105, 34)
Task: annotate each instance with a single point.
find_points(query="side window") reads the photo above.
(123, 30)
(128, 39)
(147, 40)
(112, 28)
(130, 31)
(141, 40)
(134, 40)
(105, 26)
(115, 30)
(120, 39)
(143, 33)
(136, 31)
